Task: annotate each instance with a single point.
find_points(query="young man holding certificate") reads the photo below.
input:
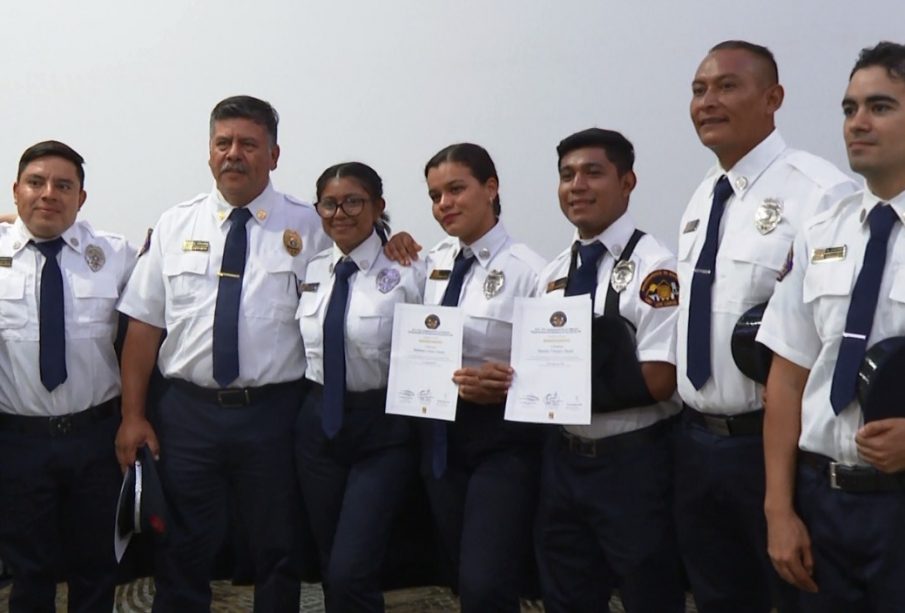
(605, 514)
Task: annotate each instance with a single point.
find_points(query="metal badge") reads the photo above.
(493, 284)
(261, 214)
(95, 257)
(623, 273)
(74, 242)
(741, 183)
(768, 215)
(387, 279)
(191, 245)
(292, 241)
(691, 226)
(484, 253)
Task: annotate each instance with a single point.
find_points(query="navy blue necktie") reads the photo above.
(229, 293)
(335, 349)
(861, 309)
(698, 341)
(584, 279)
(450, 298)
(52, 336)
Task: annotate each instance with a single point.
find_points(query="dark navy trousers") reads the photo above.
(719, 506)
(485, 505)
(606, 522)
(212, 457)
(353, 486)
(858, 544)
(57, 506)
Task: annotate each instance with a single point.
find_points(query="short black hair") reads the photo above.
(472, 156)
(754, 49)
(247, 107)
(53, 148)
(890, 56)
(619, 150)
(365, 176)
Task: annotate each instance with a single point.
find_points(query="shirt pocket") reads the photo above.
(753, 265)
(372, 331)
(187, 282)
(684, 263)
(94, 300)
(278, 296)
(827, 287)
(311, 323)
(488, 332)
(897, 291)
(13, 305)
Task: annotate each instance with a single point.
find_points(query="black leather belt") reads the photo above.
(232, 397)
(60, 425)
(367, 399)
(595, 447)
(744, 424)
(850, 478)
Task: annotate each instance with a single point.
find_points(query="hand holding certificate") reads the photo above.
(551, 356)
(427, 350)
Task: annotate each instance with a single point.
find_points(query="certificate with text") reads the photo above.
(551, 357)
(426, 351)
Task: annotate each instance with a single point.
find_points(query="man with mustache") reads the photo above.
(835, 464)
(734, 237)
(220, 273)
(59, 387)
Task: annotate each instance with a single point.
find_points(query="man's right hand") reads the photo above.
(789, 546)
(132, 434)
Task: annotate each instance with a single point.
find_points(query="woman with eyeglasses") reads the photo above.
(354, 462)
(481, 472)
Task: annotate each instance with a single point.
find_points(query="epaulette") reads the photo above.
(296, 201)
(833, 211)
(819, 170)
(524, 253)
(193, 201)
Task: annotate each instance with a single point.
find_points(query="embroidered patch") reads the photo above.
(787, 265)
(660, 289)
(387, 279)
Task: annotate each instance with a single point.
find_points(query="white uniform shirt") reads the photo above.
(175, 283)
(747, 262)
(806, 317)
(89, 303)
(373, 293)
(655, 326)
(488, 320)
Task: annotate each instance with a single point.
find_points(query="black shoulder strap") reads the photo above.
(611, 306)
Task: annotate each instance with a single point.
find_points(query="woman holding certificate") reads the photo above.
(481, 472)
(354, 462)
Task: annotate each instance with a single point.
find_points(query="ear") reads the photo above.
(774, 96)
(82, 196)
(492, 185)
(628, 182)
(274, 157)
(379, 206)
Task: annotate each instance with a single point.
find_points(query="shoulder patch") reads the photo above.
(660, 289)
(147, 243)
(787, 266)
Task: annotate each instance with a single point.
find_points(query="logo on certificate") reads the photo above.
(432, 322)
(558, 319)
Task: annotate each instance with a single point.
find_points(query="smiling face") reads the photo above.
(241, 158)
(732, 103)
(874, 129)
(349, 231)
(462, 205)
(592, 194)
(48, 196)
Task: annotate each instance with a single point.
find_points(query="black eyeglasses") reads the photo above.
(351, 206)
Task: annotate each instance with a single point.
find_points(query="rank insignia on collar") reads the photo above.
(623, 273)
(560, 283)
(292, 241)
(387, 279)
(493, 283)
(660, 289)
(95, 257)
(191, 245)
(768, 215)
(691, 226)
(440, 275)
(829, 254)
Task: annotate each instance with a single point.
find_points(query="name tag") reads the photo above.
(6, 262)
(829, 254)
(440, 275)
(196, 246)
(308, 287)
(560, 283)
(691, 226)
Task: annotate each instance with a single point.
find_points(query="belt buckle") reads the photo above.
(834, 483)
(230, 399)
(718, 425)
(60, 425)
(584, 448)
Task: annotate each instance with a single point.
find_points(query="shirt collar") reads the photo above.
(614, 237)
(869, 200)
(748, 169)
(260, 208)
(364, 256)
(485, 248)
(71, 237)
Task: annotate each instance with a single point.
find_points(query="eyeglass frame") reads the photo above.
(341, 204)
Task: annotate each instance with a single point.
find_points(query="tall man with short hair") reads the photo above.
(734, 237)
(221, 275)
(59, 387)
(836, 463)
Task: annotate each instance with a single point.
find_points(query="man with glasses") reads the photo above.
(221, 273)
